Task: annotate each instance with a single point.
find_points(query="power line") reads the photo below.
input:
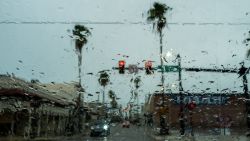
(125, 23)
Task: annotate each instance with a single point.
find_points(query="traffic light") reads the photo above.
(191, 105)
(148, 67)
(121, 66)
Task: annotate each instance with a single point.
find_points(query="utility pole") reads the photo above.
(182, 122)
(243, 71)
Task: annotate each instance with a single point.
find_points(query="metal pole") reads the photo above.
(182, 122)
(245, 89)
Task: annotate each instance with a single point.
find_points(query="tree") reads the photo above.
(103, 81)
(134, 94)
(80, 34)
(112, 96)
(137, 83)
(156, 15)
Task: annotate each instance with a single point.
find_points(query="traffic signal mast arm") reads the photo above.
(190, 69)
(176, 68)
(211, 70)
(127, 68)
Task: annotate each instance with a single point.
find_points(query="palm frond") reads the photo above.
(156, 15)
(103, 79)
(111, 94)
(151, 15)
(81, 29)
(81, 33)
(161, 24)
(137, 82)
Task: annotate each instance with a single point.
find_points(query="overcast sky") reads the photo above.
(34, 39)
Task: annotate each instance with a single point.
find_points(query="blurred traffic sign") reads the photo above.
(169, 68)
(133, 69)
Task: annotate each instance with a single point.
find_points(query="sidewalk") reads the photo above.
(198, 136)
(34, 139)
(50, 138)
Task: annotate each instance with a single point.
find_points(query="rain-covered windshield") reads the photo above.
(175, 70)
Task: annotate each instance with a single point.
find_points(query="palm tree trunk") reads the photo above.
(80, 92)
(103, 96)
(162, 72)
(137, 104)
(79, 68)
(79, 76)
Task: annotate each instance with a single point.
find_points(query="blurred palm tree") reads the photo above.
(156, 15)
(134, 94)
(80, 34)
(112, 96)
(137, 83)
(103, 81)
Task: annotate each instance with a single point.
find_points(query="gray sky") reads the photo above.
(36, 32)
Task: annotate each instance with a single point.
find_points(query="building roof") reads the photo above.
(10, 85)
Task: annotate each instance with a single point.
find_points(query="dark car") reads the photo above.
(126, 124)
(100, 128)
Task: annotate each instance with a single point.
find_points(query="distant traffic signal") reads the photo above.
(121, 66)
(191, 105)
(148, 67)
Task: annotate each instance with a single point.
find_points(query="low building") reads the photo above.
(212, 110)
(30, 110)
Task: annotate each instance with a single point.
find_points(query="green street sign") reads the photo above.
(169, 68)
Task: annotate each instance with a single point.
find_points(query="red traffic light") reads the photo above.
(191, 105)
(148, 67)
(121, 63)
(121, 66)
(148, 64)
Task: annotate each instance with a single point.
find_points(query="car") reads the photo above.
(116, 118)
(100, 128)
(126, 124)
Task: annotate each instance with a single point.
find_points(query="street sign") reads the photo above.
(170, 68)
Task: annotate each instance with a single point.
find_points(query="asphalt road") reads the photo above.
(134, 133)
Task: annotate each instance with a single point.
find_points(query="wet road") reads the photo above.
(118, 133)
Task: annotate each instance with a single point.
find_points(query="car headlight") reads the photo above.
(92, 127)
(105, 127)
